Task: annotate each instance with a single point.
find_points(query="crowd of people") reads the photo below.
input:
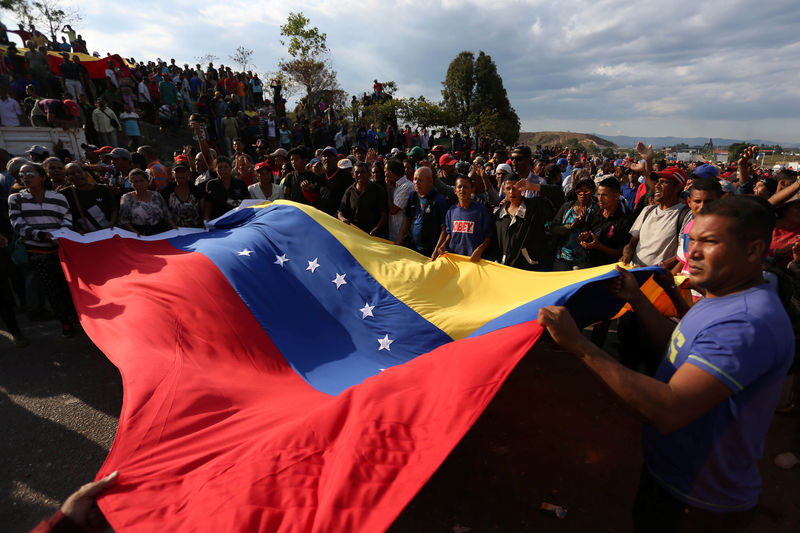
(542, 208)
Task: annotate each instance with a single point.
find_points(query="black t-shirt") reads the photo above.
(17, 64)
(70, 70)
(337, 185)
(223, 200)
(611, 231)
(295, 192)
(364, 209)
(97, 203)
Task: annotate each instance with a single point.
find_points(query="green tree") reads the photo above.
(389, 87)
(459, 88)
(11, 5)
(421, 112)
(308, 66)
(417, 111)
(735, 150)
(473, 92)
(48, 13)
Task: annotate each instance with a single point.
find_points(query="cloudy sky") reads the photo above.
(617, 67)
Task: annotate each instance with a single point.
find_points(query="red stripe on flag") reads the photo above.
(218, 433)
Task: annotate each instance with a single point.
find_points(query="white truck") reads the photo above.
(18, 139)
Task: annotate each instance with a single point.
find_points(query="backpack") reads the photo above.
(683, 219)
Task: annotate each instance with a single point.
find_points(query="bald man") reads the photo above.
(424, 215)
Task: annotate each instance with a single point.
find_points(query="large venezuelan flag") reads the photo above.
(286, 372)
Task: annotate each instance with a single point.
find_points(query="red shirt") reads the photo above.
(782, 237)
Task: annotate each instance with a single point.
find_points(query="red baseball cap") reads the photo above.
(446, 160)
(437, 148)
(181, 159)
(674, 173)
(104, 150)
(263, 164)
(72, 107)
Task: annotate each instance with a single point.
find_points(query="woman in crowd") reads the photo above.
(225, 192)
(264, 189)
(379, 173)
(143, 211)
(569, 223)
(35, 213)
(183, 198)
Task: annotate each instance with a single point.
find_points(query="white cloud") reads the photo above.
(587, 63)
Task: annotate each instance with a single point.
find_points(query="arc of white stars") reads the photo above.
(280, 260)
(313, 265)
(385, 343)
(339, 281)
(367, 311)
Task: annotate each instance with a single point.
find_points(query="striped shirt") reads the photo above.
(32, 219)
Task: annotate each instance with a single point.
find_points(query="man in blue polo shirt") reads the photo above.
(468, 225)
(709, 405)
(424, 214)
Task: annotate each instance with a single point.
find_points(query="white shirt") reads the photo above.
(111, 75)
(658, 232)
(423, 140)
(10, 112)
(257, 193)
(144, 92)
(400, 194)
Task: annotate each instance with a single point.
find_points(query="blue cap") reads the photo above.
(314, 161)
(332, 149)
(618, 163)
(562, 161)
(706, 171)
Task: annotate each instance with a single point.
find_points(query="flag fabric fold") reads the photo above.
(286, 372)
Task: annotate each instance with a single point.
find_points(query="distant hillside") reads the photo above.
(661, 142)
(560, 137)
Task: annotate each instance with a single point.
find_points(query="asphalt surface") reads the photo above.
(59, 404)
(553, 434)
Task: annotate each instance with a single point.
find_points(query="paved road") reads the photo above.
(59, 404)
(553, 433)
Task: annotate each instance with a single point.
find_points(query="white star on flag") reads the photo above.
(367, 311)
(313, 265)
(246, 252)
(281, 259)
(339, 281)
(385, 343)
